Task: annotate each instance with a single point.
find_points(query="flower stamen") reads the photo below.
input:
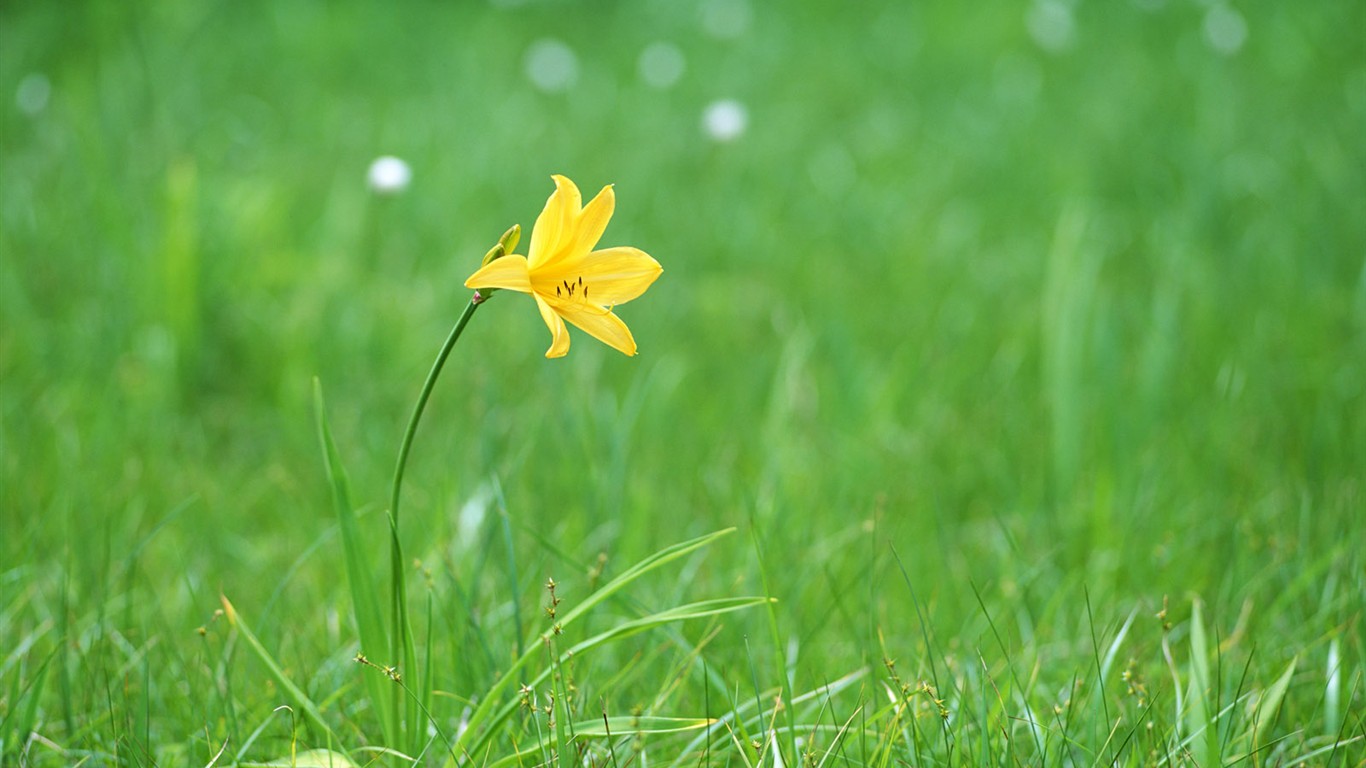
(568, 288)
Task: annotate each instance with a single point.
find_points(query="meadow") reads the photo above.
(1002, 401)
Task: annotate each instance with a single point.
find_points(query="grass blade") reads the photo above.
(313, 758)
(476, 733)
(1201, 721)
(1269, 704)
(561, 708)
(697, 610)
(779, 653)
(359, 577)
(1332, 691)
(297, 697)
(627, 725)
(23, 717)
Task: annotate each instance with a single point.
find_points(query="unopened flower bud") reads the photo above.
(510, 238)
(496, 252)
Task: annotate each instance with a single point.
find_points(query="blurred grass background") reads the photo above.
(1042, 296)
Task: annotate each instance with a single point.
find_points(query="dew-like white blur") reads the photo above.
(1051, 25)
(389, 175)
(726, 19)
(661, 65)
(725, 120)
(33, 92)
(470, 519)
(551, 65)
(1225, 29)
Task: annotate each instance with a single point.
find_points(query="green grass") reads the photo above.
(1039, 373)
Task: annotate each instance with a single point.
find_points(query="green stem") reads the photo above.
(422, 401)
(403, 650)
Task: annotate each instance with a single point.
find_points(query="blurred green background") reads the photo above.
(1040, 295)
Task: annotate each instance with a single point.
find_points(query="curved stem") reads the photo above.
(422, 402)
(403, 649)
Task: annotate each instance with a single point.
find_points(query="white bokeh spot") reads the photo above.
(1051, 24)
(725, 120)
(389, 175)
(661, 65)
(726, 19)
(1225, 29)
(551, 65)
(33, 93)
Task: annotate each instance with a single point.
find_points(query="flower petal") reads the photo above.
(598, 323)
(610, 276)
(559, 335)
(555, 223)
(508, 272)
(590, 223)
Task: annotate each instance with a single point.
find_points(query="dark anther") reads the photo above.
(557, 290)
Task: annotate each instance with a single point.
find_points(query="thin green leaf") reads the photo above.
(1115, 645)
(474, 733)
(1269, 704)
(745, 717)
(697, 610)
(296, 695)
(313, 758)
(1332, 691)
(428, 669)
(359, 577)
(561, 703)
(779, 652)
(628, 725)
(662, 557)
(25, 716)
(1200, 722)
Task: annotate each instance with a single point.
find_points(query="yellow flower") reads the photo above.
(569, 280)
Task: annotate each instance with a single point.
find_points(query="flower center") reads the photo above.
(568, 289)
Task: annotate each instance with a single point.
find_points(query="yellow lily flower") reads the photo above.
(569, 280)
